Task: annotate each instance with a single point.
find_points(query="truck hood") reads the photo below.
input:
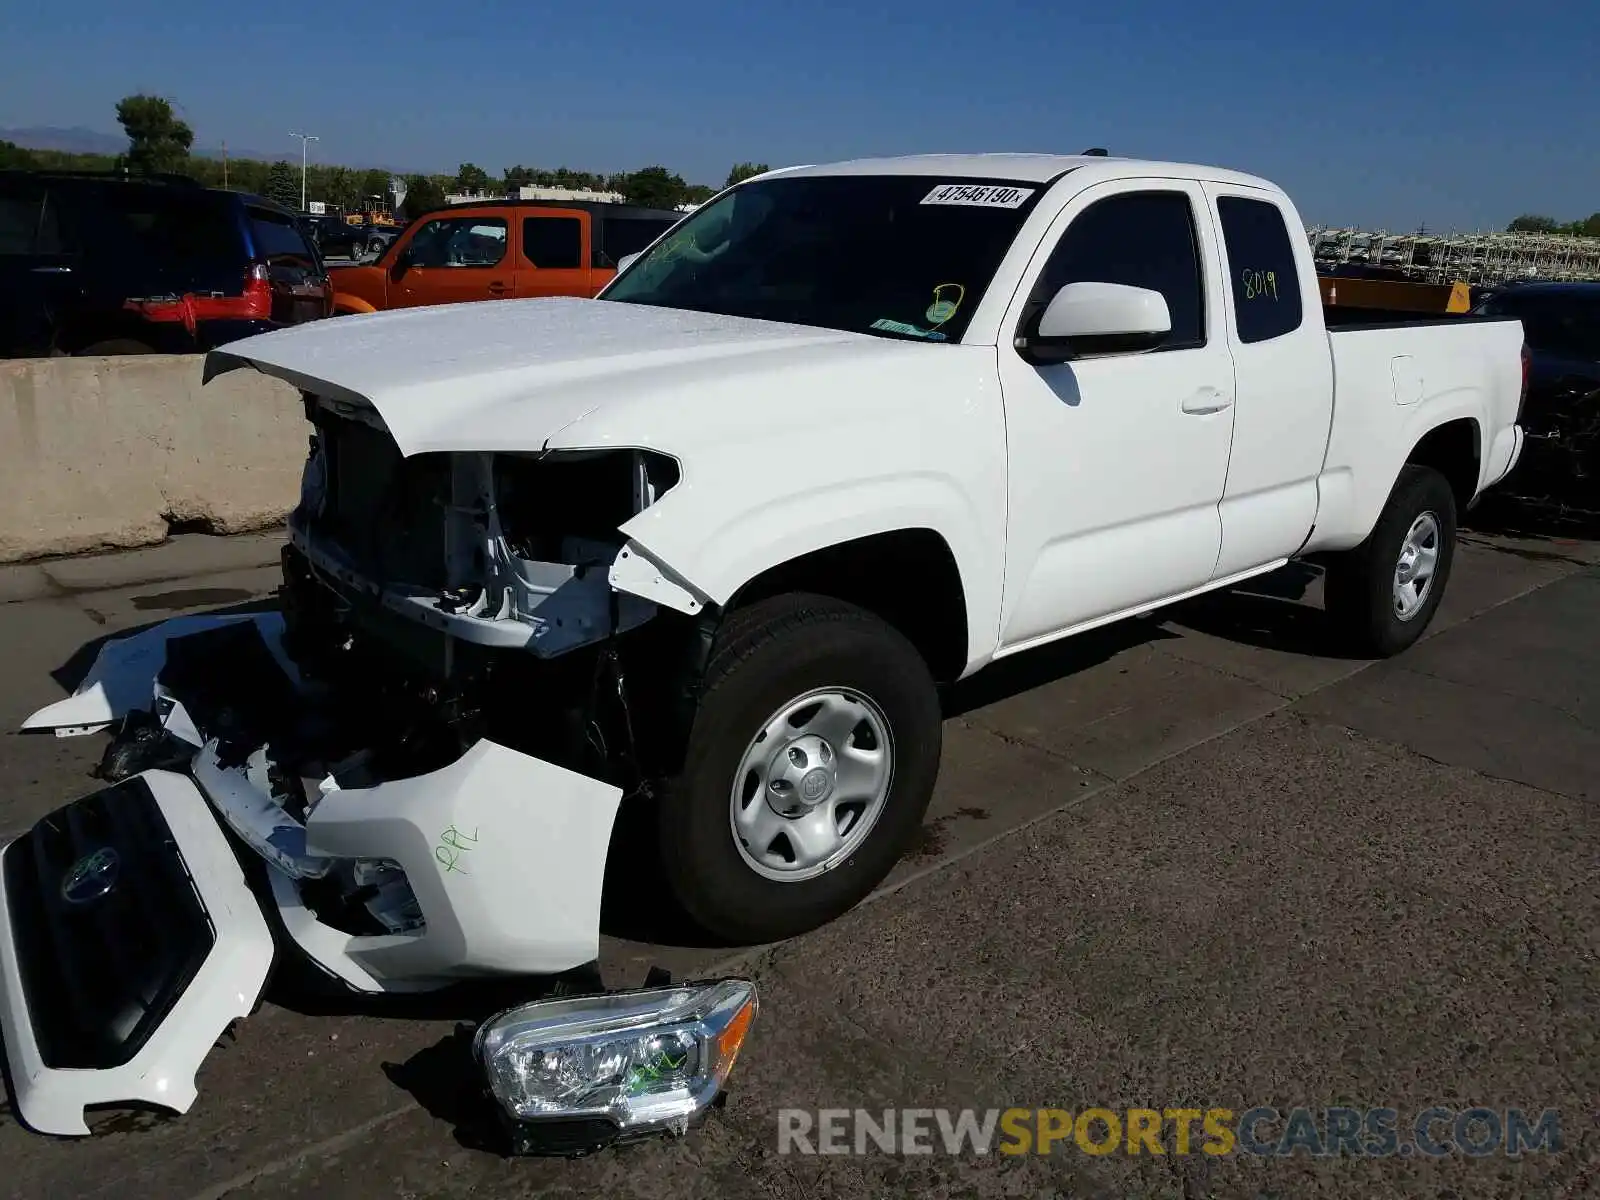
(508, 375)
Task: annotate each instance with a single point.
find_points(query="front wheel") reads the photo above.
(1382, 594)
(810, 764)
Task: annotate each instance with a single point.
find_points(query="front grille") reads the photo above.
(100, 972)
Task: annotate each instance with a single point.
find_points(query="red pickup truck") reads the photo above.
(500, 250)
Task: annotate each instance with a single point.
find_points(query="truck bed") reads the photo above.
(1343, 317)
(1396, 376)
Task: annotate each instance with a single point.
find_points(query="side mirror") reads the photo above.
(626, 261)
(402, 261)
(1097, 318)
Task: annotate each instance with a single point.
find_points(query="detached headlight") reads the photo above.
(578, 1073)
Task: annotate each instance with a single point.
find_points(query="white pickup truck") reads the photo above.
(709, 544)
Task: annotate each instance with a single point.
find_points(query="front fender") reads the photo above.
(716, 543)
(795, 450)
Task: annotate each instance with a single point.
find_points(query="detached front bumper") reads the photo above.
(129, 942)
(130, 936)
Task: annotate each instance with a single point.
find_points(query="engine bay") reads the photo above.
(510, 551)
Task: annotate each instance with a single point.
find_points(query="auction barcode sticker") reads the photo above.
(978, 195)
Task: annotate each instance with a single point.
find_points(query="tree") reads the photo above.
(518, 176)
(1589, 227)
(282, 185)
(698, 193)
(338, 185)
(374, 183)
(653, 187)
(13, 155)
(423, 194)
(250, 175)
(472, 179)
(744, 170)
(1533, 223)
(157, 140)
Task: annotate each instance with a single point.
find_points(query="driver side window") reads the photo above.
(1142, 239)
(460, 242)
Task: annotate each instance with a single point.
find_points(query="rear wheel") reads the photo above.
(809, 767)
(1382, 594)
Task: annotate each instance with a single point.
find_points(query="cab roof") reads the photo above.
(1034, 168)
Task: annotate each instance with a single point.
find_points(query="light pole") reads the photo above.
(305, 140)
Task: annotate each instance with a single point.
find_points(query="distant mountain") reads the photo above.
(78, 140)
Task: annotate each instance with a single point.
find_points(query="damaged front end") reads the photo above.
(409, 772)
(496, 592)
(500, 551)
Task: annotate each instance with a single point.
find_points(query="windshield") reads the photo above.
(905, 256)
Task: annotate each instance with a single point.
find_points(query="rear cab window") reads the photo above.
(1261, 268)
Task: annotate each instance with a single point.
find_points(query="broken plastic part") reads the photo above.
(392, 902)
(142, 744)
(123, 676)
(244, 798)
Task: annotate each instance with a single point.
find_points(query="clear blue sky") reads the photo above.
(1458, 114)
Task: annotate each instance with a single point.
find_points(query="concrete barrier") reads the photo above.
(107, 453)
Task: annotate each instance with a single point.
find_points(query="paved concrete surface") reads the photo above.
(1186, 862)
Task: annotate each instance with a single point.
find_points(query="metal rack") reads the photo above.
(1476, 258)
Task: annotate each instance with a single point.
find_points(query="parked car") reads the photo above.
(711, 542)
(106, 264)
(379, 236)
(500, 250)
(1561, 322)
(336, 237)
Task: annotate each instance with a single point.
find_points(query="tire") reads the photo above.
(764, 660)
(116, 346)
(1365, 598)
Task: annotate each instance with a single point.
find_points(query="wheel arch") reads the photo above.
(907, 577)
(908, 547)
(1454, 448)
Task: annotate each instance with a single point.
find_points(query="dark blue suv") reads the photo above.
(110, 264)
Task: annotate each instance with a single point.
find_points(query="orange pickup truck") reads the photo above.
(500, 250)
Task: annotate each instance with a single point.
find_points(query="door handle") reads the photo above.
(497, 285)
(1205, 401)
